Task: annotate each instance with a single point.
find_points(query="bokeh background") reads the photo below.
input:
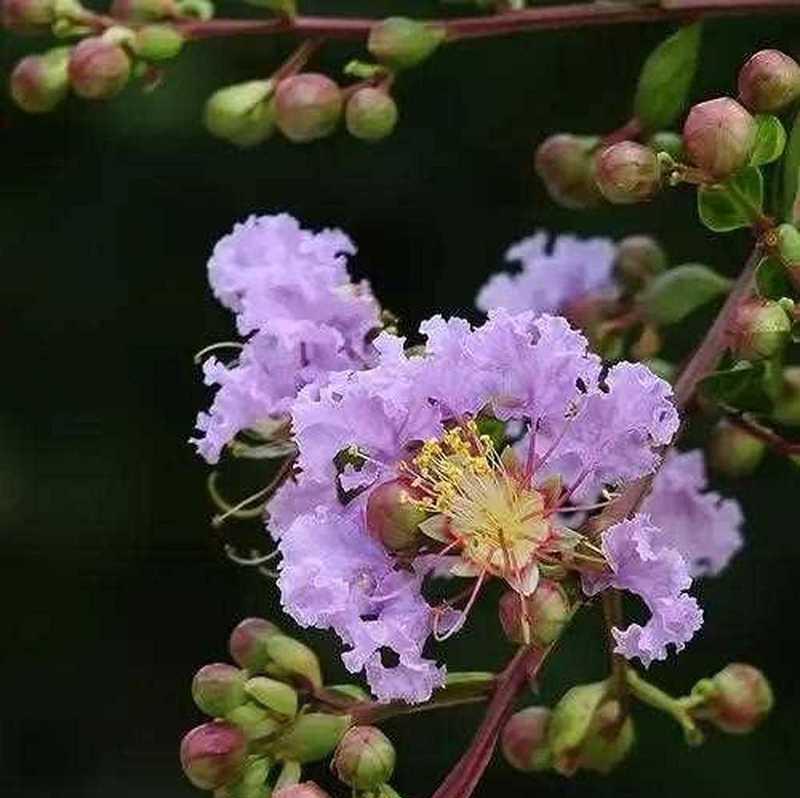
(113, 587)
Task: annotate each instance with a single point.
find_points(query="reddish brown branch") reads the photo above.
(775, 442)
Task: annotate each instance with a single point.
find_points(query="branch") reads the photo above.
(778, 444)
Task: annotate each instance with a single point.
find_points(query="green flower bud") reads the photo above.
(308, 789)
(213, 754)
(289, 658)
(255, 722)
(218, 688)
(251, 783)
(401, 43)
(718, 137)
(565, 164)
(639, 259)
(668, 142)
(524, 739)
(788, 246)
(364, 758)
(370, 114)
(769, 81)
(98, 69)
(242, 114)
(27, 16)
(311, 737)
(157, 42)
(661, 368)
(609, 740)
(628, 172)
(143, 10)
(741, 699)
(247, 643)
(392, 519)
(276, 696)
(40, 82)
(734, 451)
(758, 329)
(539, 618)
(307, 106)
(787, 406)
(352, 691)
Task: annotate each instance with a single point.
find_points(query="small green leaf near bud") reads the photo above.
(745, 387)
(772, 278)
(291, 658)
(290, 774)
(565, 163)
(311, 737)
(371, 114)
(790, 200)
(402, 43)
(247, 643)
(627, 172)
(352, 691)
(662, 368)
(157, 42)
(674, 294)
(733, 451)
(27, 16)
(666, 78)
(255, 722)
(308, 106)
(769, 82)
(276, 696)
(213, 754)
(218, 688)
(770, 140)
(721, 212)
(524, 740)
(365, 758)
(668, 142)
(40, 82)
(242, 114)
(787, 403)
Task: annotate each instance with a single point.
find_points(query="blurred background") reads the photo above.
(114, 588)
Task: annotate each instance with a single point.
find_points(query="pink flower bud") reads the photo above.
(564, 163)
(213, 754)
(143, 10)
(544, 614)
(639, 260)
(306, 789)
(307, 106)
(758, 329)
(734, 451)
(27, 16)
(740, 700)
(628, 172)
(718, 136)
(39, 82)
(371, 114)
(524, 739)
(392, 518)
(364, 758)
(98, 69)
(769, 82)
(247, 643)
(218, 688)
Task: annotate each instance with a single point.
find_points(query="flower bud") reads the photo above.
(307, 106)
(734, 451)
(254, 721)
(668, 142)
(39, 82)
(352, 691)
(718, 136)
(539, 618)
(403, 43)
(787, 405)
(311, 737)
(157, 42)
(740, 700)
(277, 697)
(307, 789)
(143, 10)
(639, 259)
(524, 739)
(218, 688)
(371, 114)
(213, 754)
(788, 246)
(251, 783)
(769, 81)
(247, 643)
(27, 16)
(291, 659)
(564, 163)
(364, 758)
(392, 519)
(98, 68)
(242, 114)
(758, 329)
(627, 172)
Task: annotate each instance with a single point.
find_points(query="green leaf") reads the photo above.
(666, 78)
(771, 279)
(674, 294)
(790, 205)
(744, 387)
(770, 140)
(731, 205)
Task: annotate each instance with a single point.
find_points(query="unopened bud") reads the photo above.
(402, 43)
(98, 68)
(307, 106)
(734, 451)
(787, 405)
(788, 246)
(218, 688)
(40, 82)
(524, 739)
(242, 114)
(565, 164)
(719, 136)
(143, 10)
(311, 737)
(157, 42)
(769, 81)
(251, 783)
(307, 789)
(364, 758)
(668, 142)
(291, 659)
(276, 696)
(539, 618)
(639, 259)
(255, 722)
(392, 518)
(741, 698)
(352, 691)
(248, 643)
(27, 16)
(371, 114)
(628, 172)
(213, 754)
(758, 329)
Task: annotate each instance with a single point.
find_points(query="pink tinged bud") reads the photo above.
(218, 688)
(392, 519)
(98, 69)
(628, 172)
(307, 789)
(759, 329)
(40, 82)
(769, 82)
(364, 758)
(371, 114)
(741, 699)
(28, 16)
(565, 164)
(524, 739)
(247, 643)
(734, 451)
(539, 618)
(718, 136)
(143, 10)
(307, 106)
(213, 754)
(639, 259)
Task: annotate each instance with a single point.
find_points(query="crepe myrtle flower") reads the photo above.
(403, 448)
(293, 296)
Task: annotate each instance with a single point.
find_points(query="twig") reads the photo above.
(775, 442)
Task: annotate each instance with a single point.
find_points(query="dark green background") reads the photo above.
(113, 587)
